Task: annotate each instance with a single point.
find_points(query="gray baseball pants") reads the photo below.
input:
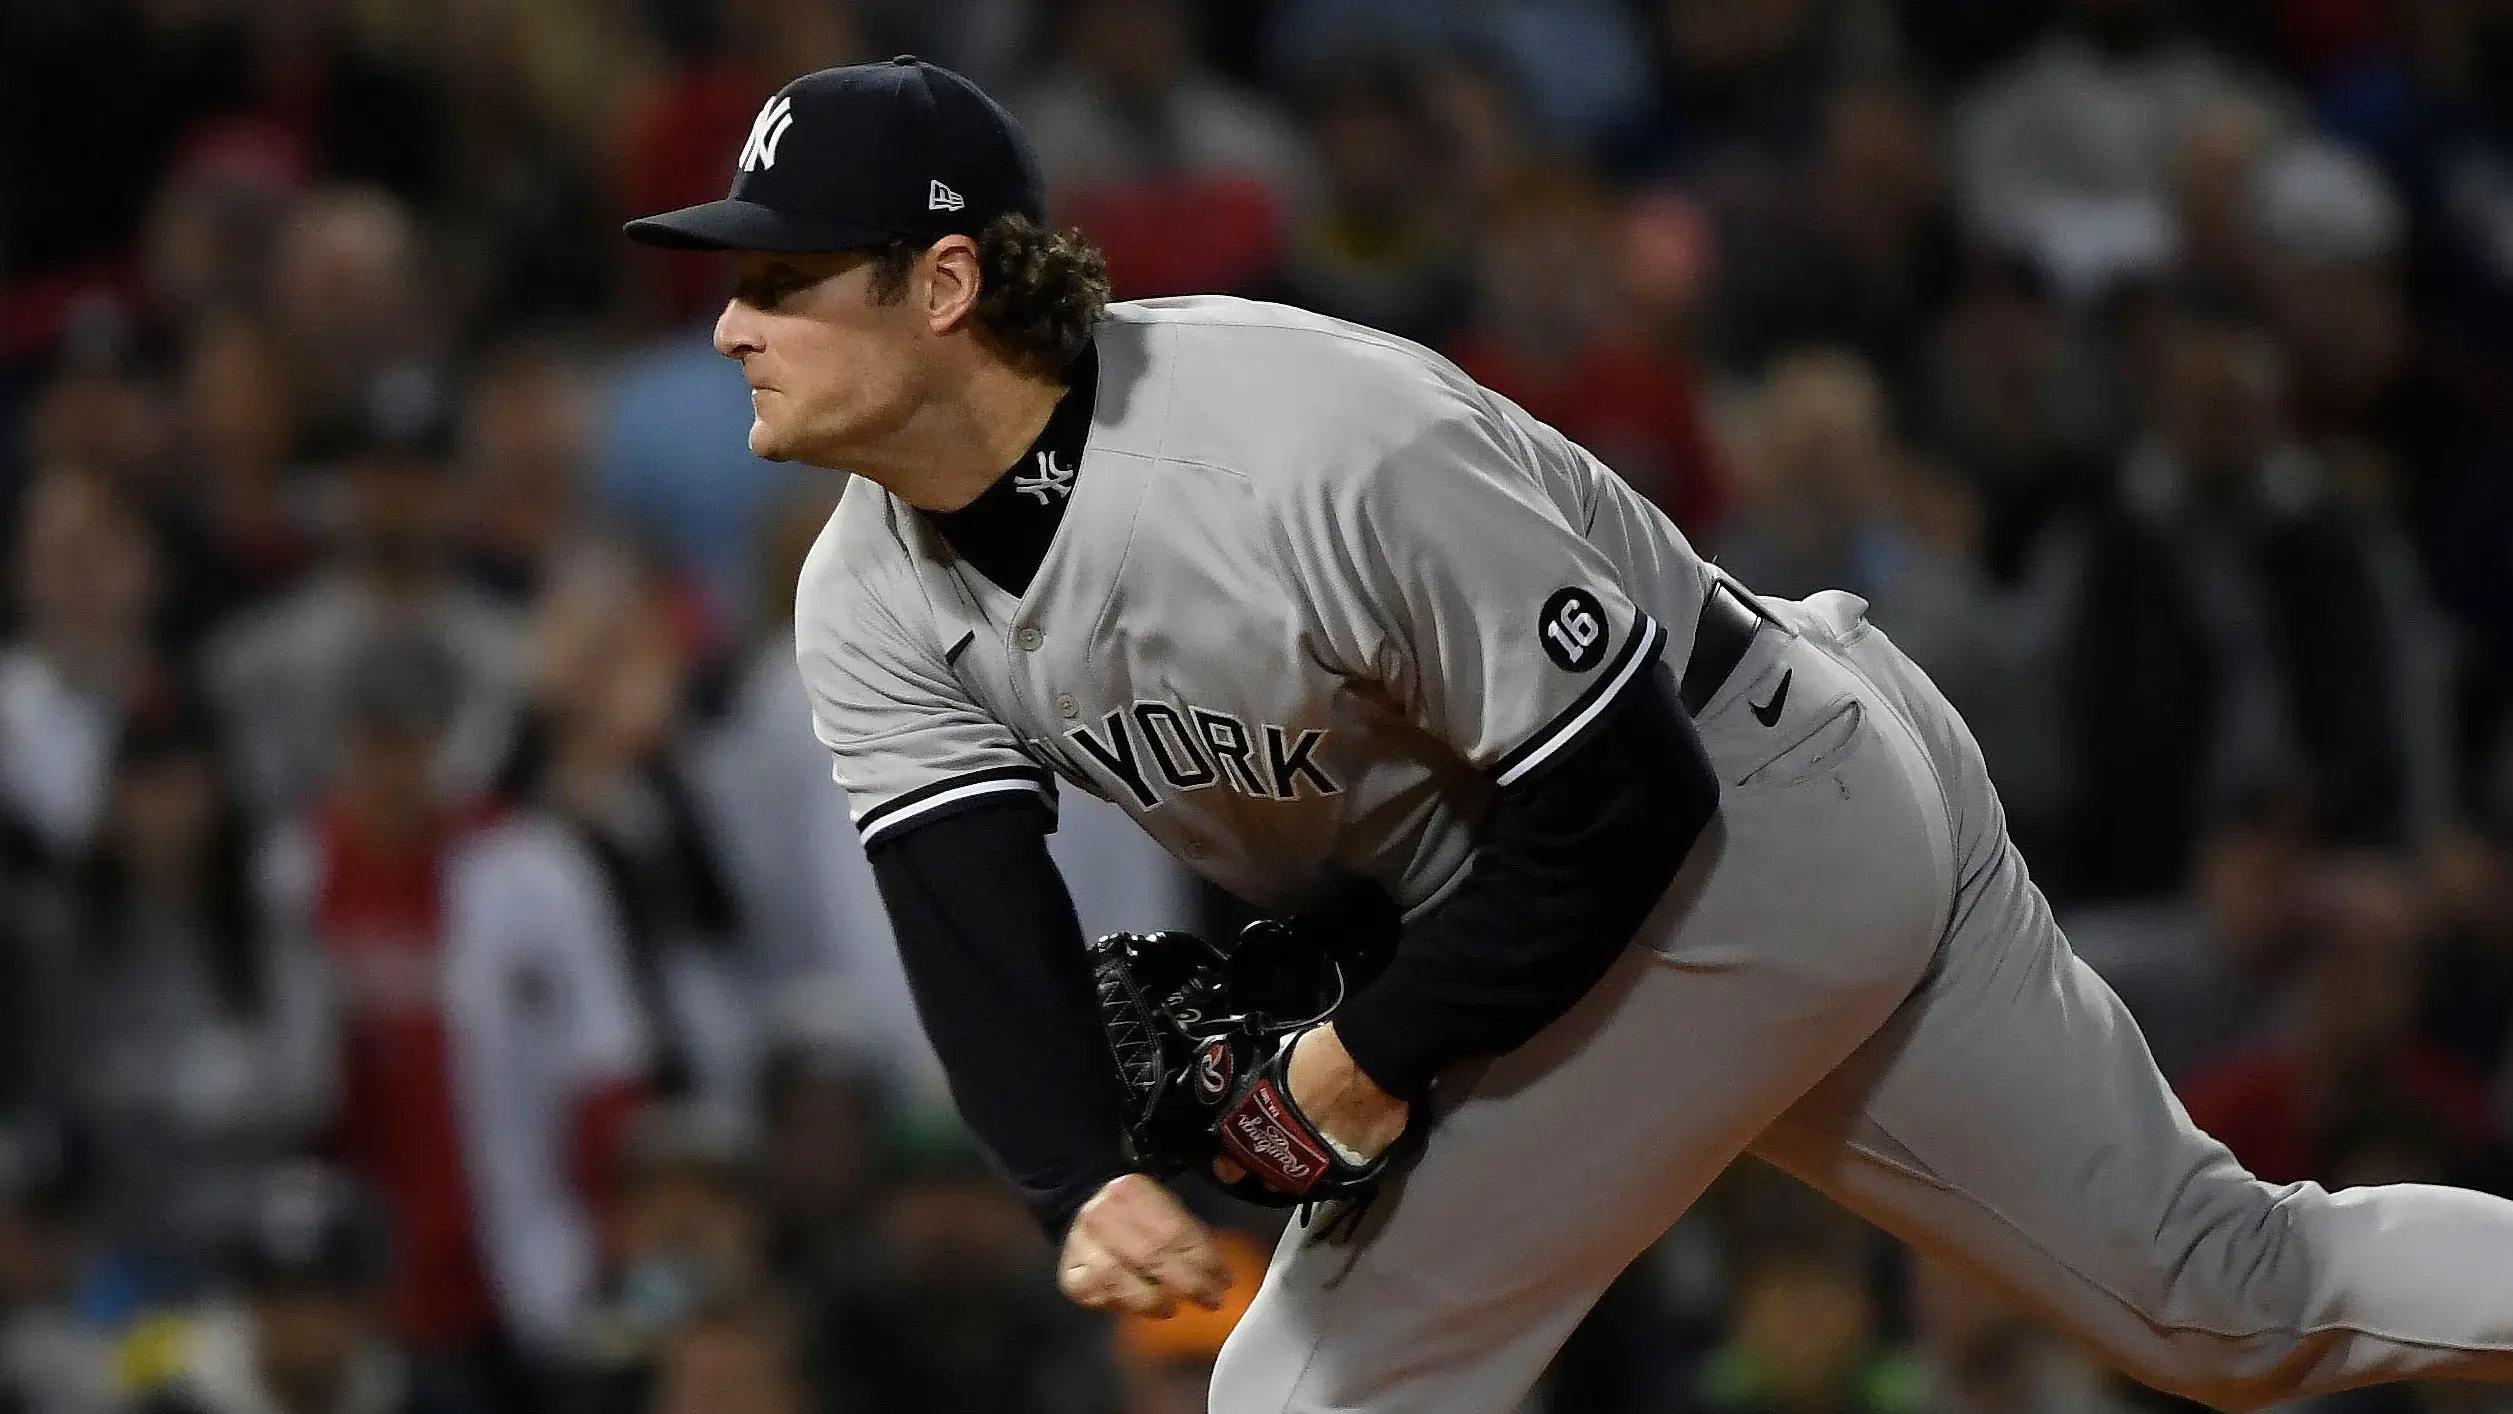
(1854, 979)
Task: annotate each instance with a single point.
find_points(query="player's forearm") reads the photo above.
(1572, 861)
(994, 957)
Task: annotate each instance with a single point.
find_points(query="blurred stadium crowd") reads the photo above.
(436, 974)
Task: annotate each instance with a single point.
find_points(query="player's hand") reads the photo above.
(1134, 1247)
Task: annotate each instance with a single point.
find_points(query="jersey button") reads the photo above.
(1066, 706)
(1029, 639)
(1194, 849)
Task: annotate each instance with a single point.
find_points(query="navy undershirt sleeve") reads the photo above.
(1568, 863)
(995, 959)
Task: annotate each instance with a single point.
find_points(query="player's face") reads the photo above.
(830, 366)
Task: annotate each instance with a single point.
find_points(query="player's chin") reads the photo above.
(765, 443)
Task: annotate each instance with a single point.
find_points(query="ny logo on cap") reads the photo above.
(942, 198)
(766, 131)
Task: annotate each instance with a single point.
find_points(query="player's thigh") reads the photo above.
(1803, 918)
(2010, 1117)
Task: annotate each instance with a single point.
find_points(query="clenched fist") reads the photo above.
(1135, 1247)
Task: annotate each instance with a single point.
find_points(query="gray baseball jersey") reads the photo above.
(1315, 591)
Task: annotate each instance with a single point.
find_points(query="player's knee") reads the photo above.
(2221, 1312)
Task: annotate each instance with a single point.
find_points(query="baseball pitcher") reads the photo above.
(1591, 869)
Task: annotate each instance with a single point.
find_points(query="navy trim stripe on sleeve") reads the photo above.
(921, 803)
(1640, 648)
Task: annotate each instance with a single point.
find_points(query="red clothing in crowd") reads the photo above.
(2255, 1102)
(378, 910)
(675, 156)
(1637, 411)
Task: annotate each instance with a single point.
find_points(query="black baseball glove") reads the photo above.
(1202, 1032)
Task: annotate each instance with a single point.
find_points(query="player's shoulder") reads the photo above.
(859, 563)
(1282, 397)
(1203, 345)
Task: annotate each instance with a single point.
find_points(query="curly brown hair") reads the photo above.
(1040, 292)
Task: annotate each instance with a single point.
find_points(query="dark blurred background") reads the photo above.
(435, 972)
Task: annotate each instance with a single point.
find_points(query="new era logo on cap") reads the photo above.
(941, 198)
(766, 131)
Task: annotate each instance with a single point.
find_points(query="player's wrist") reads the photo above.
(1350, 1110)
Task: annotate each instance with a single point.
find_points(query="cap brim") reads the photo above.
(746, 225)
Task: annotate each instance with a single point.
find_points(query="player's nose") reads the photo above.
(737, 330)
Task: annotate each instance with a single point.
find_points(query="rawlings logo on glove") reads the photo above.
(1271, 1140)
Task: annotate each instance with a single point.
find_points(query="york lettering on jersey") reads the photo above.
(1157, 750)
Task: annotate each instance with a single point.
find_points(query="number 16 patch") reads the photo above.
(1574, 630)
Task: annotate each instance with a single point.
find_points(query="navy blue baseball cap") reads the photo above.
(855, 157)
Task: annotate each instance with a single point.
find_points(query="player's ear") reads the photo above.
(951, 283)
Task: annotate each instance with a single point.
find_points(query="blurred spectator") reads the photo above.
(784, 835)
(306, 1337)
(1827, 500)
(2412, 418)
(527, 431)
(2236, 624)
(2350, 1048)
(2005, 399)
(2469, 1010)
(276, 673)
(212, 226)
(1742, 93)
(87, 577)
(1141, 142)
(2067, 153)
(675, 463)
(2202, 973)
(362, 873)
(1378, 250)
(206, 1044)
(54, 1358)
(954, 1310)
(817, 936)
(2328, 232)
(1583, 64)
(349, 296)
(2435, 104)
(1547, 337)
(1481, 122)
(736, 1361)
(606, 762)
(826, 1109)
(1166, 1366)
(525, 218)
(548, 1066)
(98, 413)
(1807, 1335)
(689, 1237)
(236, 530)
(1861, 259)
(2216, 239)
